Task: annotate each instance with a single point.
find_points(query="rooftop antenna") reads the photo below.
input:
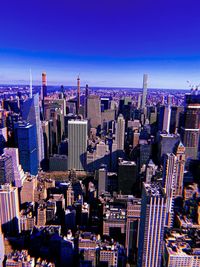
(31, 85)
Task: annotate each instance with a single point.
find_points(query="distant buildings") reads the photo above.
(144, 94)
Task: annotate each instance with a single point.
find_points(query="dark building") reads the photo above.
(127, 175)
(191, 125)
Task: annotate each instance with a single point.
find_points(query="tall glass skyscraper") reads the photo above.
(31, 114)
(25, 134)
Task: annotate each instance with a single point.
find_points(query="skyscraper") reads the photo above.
(18, 173)
(169, 184)
(77, 134)
(190, 129)
(166, 119)
(26, 139)
(78, 94)
(31, 114)
(94, 111)
(6, 169)
(144, 94)
(179, 151)
(9, 209)
(120, 132)
(152, 223)
(44, 85)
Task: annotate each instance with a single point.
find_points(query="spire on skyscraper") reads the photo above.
(78, 93)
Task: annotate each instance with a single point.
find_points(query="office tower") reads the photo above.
(175, 119)
(120, 132)
(179, 151)
(86, 97)
(9, 209)
(2, 248)
(190, 128)
(31, 114)
(102, 180)
(31, 85)
(166, 119)
(144, 94)
(132, 226)
(19, 175)
(169, 184)
(25, 134)
(28, 189)
(44, 86)
(152, 223)
(166, 144)
(6, 169)
(93, 111)
(78, 94)
(127, 175)
(77, 134)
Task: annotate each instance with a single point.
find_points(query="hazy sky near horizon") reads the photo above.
(109, 43)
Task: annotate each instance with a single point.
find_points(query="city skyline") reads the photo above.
(108, 44)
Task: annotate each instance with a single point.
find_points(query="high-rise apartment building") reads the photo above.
(144, 94)
(9, 209)
(152, 223)
(77, 151)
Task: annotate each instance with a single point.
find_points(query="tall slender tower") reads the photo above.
(31, 85)
(151, 232)
(86, 97)
(44, 85)
(144, 95)
(78, 94)
(120, 132)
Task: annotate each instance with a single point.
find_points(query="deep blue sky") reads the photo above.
(110, 43)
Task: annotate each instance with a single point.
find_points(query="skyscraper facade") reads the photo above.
(152, 223)
(18, 173)
(6, 169)
(77, 151)
(9, 209)
(191, 126)
(26, 138)
(94, 111)
(144, 95)
(169, 184)
(31, 114)
(120, 131)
